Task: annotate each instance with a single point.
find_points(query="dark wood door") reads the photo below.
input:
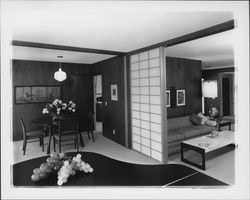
(82, 93)
(226, 96)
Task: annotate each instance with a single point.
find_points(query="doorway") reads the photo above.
(98, 106)
(227, 94)
(80, 86)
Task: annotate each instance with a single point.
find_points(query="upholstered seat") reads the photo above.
(174, 136)
(36, 133)
(205, 129)
(188, 132)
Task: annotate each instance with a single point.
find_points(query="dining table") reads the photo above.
(47, 122)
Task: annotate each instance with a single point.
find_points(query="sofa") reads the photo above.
(180, 129)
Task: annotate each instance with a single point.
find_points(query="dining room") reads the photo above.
(34, 88)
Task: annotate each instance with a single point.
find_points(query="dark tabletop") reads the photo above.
(109, 172)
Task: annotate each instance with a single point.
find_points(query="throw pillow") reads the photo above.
(194, 119)
(203, 118)
(211, 123)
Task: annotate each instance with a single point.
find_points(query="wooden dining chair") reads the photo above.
(90, 126)
(32, 136)
(66, 131)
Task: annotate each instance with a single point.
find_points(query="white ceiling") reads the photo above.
(117, 26)
(215, 51)
(50, 55)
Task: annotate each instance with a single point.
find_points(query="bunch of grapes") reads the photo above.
(53, 163)
(61, 164)
(70, 167)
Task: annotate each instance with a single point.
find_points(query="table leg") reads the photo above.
(203, 156)
(50, 135)
(81, 139)
(182, 149)
(198, 150)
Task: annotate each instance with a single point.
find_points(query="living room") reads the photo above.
(34, 50)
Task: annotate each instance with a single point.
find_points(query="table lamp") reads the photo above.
(210, 90)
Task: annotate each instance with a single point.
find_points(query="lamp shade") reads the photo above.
(210, 89)
(60, 75)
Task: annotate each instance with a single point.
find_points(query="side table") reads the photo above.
(223, 122)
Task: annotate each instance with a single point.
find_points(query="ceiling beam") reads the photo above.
(191, 36)
(64, 48)
(185, 38)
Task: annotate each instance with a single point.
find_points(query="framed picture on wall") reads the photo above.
(23, 95)
(180, 98)
(168, 98)
(114, 92)
(36, 94)
(54, 93)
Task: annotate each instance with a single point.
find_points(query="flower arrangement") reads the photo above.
(57, 107)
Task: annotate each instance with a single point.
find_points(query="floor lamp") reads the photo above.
(209, 90)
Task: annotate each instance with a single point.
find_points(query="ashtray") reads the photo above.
(213, 135)
(204, 144)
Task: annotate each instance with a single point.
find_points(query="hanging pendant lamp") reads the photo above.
(60, 75)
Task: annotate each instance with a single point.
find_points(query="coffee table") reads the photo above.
(206, 144)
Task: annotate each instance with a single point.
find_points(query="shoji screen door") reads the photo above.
(148, 103)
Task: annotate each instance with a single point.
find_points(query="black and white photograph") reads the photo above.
(168, 98)
(124, 99)
(180, 97)
(114, 92)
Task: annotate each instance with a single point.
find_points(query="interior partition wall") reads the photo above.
(148, 107)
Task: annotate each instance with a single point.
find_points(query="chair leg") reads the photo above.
(60, 146)
(54, 144)
(93, 138)
(40, 142)
(24, 146)
(88, 135)
(77, 144)
(42, 139)
(81, 140)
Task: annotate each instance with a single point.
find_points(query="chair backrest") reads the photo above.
(68, 126)
(91, 118)
(23, 128)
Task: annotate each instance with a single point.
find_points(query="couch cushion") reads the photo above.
(203, 118)
(178, 122)
(174, 150)
(174, 136)
(189, 131)
(205, 129)
(195, 119)
(174, 144)
(211, 123)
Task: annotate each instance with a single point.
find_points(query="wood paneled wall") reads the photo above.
(184, 74)
(112, 71)
(39, 73)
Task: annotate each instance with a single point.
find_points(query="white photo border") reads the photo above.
(183, 103)
(168, 103)
(114, 92)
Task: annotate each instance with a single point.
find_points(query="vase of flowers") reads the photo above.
(57, 109)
